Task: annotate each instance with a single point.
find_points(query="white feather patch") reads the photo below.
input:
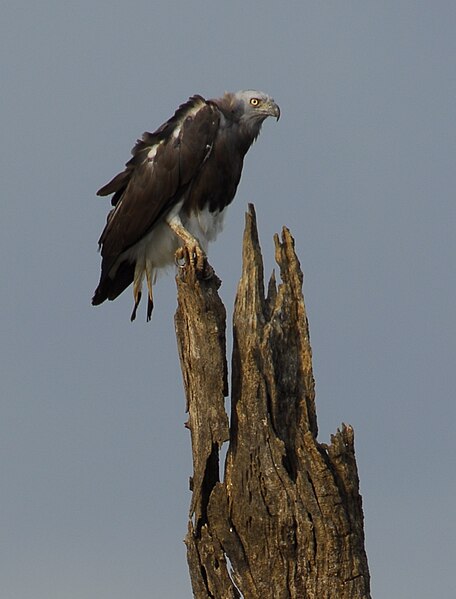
(153, 151)
(190, 113)
(205, 226)
(157, 249)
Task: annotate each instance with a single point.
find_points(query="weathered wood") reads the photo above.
(288, 513)
(200, 323)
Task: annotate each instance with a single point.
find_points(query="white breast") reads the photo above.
(157, 249)
(205, 225)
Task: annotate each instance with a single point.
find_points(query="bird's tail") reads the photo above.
(111, 287)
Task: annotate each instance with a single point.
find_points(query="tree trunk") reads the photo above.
(286, 521)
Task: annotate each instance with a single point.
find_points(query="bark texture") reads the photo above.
(286, 521)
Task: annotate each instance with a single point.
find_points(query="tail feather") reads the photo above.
(110, 288)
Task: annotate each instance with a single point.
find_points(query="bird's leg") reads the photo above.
(196, 255)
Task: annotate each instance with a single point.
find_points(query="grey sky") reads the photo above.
(95, 458)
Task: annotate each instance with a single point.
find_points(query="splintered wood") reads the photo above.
(286, 520)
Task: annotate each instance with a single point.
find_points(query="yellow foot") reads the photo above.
(191, 255)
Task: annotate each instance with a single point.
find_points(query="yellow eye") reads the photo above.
(254, 101)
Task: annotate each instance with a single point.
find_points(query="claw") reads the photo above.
(191, 255)
(191, 250)
(179, 257)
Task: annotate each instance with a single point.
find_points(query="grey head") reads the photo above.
(249, 108)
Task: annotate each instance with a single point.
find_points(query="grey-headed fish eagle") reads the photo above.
(174, 190)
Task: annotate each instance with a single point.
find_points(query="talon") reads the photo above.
(192, 256)
(179, 257)
(191, 249)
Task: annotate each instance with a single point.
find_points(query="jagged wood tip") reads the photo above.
(287, 513)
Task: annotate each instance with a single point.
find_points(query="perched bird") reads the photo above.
(174, 190)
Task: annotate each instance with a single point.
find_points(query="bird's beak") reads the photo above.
(274, 110)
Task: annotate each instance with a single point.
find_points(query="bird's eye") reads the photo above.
(254, 101)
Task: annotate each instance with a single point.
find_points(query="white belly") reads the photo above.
(157, 249)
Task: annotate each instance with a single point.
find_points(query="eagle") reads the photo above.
(173, 192)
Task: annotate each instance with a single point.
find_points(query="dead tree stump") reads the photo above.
(286, 521)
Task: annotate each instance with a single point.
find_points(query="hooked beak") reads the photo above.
(274, 110)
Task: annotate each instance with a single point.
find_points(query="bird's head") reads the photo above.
(250, 108)
(255, 107)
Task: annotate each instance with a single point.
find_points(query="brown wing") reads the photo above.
(164, 164)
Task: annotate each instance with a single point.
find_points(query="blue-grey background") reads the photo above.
(94, 455)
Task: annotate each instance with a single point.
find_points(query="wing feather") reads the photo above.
(163, 165)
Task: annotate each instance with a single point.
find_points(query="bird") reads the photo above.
(173, 192)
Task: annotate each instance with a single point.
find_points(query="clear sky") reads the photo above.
(95, 458)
